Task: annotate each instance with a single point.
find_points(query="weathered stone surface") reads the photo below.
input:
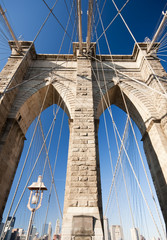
(75, 88)
(82, 226)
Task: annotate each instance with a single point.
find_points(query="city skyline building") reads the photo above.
(8, 227)
(49, 231)
(1, 227)
(142, 237)
(33, 232)
(57, 235)
(116, 232)
(46, 232)
(14, 235)
(22, 234)
(57, 227)
(135, 234)
(107, 235)
(45, 229)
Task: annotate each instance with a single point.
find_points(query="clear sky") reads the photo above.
(26, 18)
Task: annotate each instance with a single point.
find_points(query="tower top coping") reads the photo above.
(25, 45)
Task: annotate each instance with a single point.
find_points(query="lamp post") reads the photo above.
(35, 198)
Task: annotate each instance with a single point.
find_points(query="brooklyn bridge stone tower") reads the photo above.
(71, 79)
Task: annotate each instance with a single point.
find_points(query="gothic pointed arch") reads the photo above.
(142, 110)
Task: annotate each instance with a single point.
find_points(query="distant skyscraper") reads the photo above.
(116, 232)
(21, 231)
(57, 228)
(106, 229)
(15, 234)
(45, 237)
(142, 238)
(8, 228)
(57, 235)
(49, 231)
(1, 226)
(22, 234)
(134, 234)
(45, 229)
(33, 232)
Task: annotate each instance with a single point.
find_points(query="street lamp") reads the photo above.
(35, 198)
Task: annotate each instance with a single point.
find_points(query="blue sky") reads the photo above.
(26, 18)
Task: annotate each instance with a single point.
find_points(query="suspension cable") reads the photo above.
(109, 146)
(130, 78)
(131, 164)
(27, 180)
(33, 78)
(38, 116)
(133, 132)
(49, 165)
(57, 19)
(148, 64)
(141, 158)
(115, 72)
(119, 150)
(111, 23)
(68, 10)
(150, 212)
(53, 68)
(28, 49)
(118, 159)
(47, 156)
(32, 139)
(52, 173)
(114, 125)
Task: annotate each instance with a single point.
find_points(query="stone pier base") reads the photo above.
(82, 223)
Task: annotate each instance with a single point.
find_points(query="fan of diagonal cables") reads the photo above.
(128, 204)
(42, 151)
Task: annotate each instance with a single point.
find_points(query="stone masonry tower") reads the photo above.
(84, 85)
(30, 81)
(83, 201)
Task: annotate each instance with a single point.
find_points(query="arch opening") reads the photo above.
(141, 111)
(38, 102)
(110, 209)
(21, 116)
(58, 151)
